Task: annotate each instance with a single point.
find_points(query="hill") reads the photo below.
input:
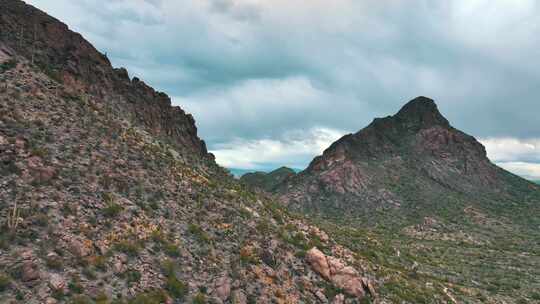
(267, 181)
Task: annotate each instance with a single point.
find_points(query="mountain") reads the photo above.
(239, 172)
(268, 181)
(422, 201)
(415, 156)
(108, 195)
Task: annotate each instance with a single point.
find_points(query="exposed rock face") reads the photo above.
(417, 148)
(70, 59)
(333, 270)
(268, 181)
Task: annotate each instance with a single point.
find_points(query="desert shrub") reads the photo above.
(100, 262)
(200, 298)
(150, 297)
(81, 299)
(128, 247)
(75, 286)
(176, 288)
(5, 282)
(54, 262)
(102, 298)
(199, 233)
(8, 65)
(89, 273)
(248, 255)
(111, 209)
(172, 250)
(133, 276)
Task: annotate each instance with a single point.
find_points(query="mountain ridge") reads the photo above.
(68, 58)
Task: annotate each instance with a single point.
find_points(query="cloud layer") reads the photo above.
(256, 71)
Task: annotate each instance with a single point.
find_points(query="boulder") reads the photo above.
(335, 271)
(30, 271)
(57, 282)
(339, 299)
(223, 288)
(318, 262)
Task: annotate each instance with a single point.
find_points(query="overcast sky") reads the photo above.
(274, 82)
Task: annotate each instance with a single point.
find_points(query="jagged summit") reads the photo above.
(422, 111)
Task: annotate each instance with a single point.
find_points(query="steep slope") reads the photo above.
(421, 199)
(107, 195)
(267, 181)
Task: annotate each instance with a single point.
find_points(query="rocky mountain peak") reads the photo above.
(422, 111)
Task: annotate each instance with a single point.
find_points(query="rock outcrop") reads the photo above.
(341, 276)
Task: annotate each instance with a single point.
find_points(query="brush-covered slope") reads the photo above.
(268, 181)
(107, 195)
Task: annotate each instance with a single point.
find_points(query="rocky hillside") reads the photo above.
(107, 195)
(422, 200)
(268, 181)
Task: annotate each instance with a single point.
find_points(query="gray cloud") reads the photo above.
(253, 70)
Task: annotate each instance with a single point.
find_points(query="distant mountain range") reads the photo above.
(240, 172)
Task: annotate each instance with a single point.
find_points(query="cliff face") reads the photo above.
(417, 149)
(71, 60)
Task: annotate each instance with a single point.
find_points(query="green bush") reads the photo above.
(133, 276)
(199, 233)
(75, 286)
(54, 262)
(168, 267)
(172, 250)
(112, 210)
(150, 297)
(128, 247)
(176, 288)
(200, 298)
(81, 299)
(5, 282)
(8, 65)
